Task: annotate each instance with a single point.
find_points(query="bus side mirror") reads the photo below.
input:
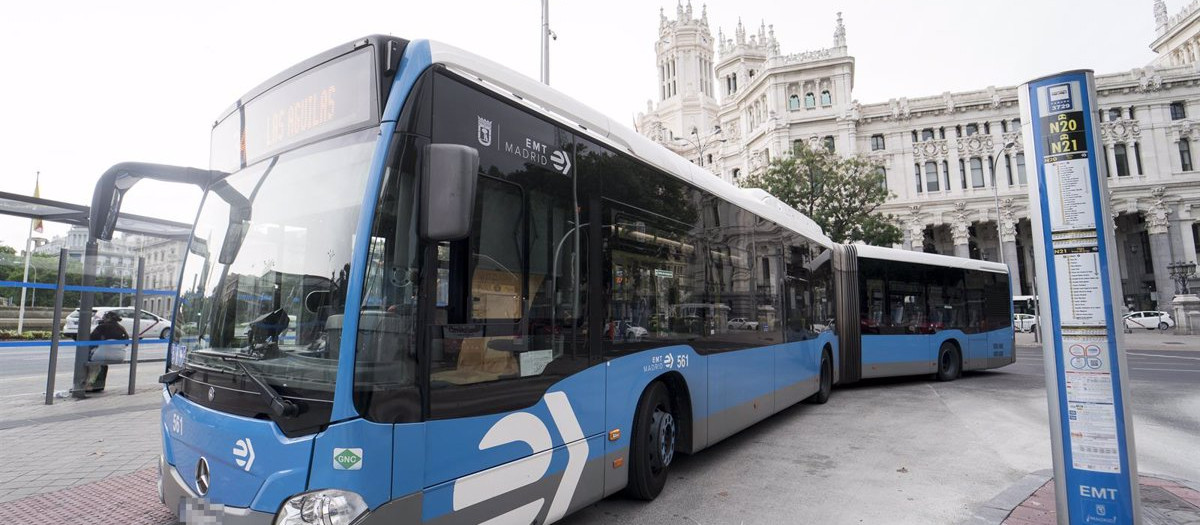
(448, 179)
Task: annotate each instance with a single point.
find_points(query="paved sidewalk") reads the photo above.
(129, 499)
(76, 442)
(1030, 501)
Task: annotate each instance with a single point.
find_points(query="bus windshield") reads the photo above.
(267, 269)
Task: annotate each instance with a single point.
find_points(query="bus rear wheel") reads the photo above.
(949, 362)
(826, 386)
(653, 442)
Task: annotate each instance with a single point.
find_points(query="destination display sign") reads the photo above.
(337, 96)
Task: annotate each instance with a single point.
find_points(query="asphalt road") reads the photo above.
(23, 369)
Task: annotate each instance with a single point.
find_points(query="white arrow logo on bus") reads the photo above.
(244, 449)
(561, 161)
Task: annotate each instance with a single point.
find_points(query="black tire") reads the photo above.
(1032, 328)
(1163, 325)
(653, 442)
(949, 363)
(826, 384)
(165, 333)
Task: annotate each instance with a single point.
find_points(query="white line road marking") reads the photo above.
(1165, 356)
(1167, 370)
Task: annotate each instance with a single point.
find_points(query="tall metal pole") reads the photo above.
(55, 333)
(86, 300)
(996, 195)
(546, 42)
(137, 323)
(25, 279)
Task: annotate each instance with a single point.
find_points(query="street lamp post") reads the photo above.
(996, 195)
(702, 143)
(1182, 271)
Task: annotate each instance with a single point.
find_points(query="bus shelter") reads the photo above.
(84, 267)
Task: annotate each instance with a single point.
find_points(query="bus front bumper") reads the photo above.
(175, 493)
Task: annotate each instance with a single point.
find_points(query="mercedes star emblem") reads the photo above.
(202, 476)
(212, 392)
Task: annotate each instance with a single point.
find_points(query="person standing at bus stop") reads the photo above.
(109, 328)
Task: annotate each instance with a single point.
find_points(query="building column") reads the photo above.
(960, 230)
(1157, 226)
(1008, 242)
(914, 230)
(955, 176)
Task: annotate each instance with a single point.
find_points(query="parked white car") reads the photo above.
(1149, 320)
(1024, 322)
(741, 323)
(151, 326)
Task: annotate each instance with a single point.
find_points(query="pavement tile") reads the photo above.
(129, 499)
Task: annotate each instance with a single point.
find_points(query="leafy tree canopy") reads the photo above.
(840, 194)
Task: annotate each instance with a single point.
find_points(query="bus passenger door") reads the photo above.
(977, 335)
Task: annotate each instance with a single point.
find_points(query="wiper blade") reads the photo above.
(281, 406)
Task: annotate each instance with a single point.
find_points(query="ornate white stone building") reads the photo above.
(954, 161)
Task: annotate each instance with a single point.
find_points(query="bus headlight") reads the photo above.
(323, 507)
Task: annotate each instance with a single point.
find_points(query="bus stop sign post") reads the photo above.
(1091, 429)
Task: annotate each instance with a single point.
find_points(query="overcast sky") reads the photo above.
(89, 84)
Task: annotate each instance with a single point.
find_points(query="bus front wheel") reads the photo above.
(949, 362)
(826, 386)
(653, 442)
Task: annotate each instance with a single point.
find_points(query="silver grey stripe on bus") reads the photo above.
(898, 369)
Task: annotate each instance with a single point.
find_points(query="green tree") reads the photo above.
(840, 194)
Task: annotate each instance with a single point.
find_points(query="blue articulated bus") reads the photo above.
(920, 313)
(424, 288)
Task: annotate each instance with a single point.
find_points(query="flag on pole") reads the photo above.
(37, 193)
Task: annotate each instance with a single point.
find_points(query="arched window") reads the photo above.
(830, 144)
(931, 176)
(881, 172)
(794, 102)
(736, 173)
(976, 172)
(826, 98)
(810, 101)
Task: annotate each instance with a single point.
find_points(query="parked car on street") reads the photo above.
(633, 332)
(1024, 322)
(741, 323)
(151, 326)
(1149, 320)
